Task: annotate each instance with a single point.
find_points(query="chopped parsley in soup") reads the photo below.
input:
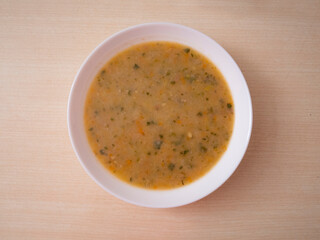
(159, 115)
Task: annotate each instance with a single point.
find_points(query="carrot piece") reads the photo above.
(140, 130)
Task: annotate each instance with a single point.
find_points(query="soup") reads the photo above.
(159, 115)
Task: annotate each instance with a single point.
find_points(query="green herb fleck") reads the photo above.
(101, 152)
(203, 149)
(150, 123)
(180, 167)
(190, 79)
(90, 129)
(157, 144)
(105, 147)
(199, 114)
(229, 105)
(173, 82)
(184, 152)
(136, 66)
(161, 136)
(112, 119)
(171, 166)
(186, 50)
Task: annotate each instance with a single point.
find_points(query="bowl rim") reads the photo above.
(72, 92)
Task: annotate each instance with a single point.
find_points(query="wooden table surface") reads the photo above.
(45, 193)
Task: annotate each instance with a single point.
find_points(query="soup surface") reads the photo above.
(159, 115)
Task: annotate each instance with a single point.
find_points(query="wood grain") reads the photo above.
(44, 192)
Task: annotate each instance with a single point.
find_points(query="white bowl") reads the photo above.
(242, 105)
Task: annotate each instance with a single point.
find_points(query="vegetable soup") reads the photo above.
(159, 115)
